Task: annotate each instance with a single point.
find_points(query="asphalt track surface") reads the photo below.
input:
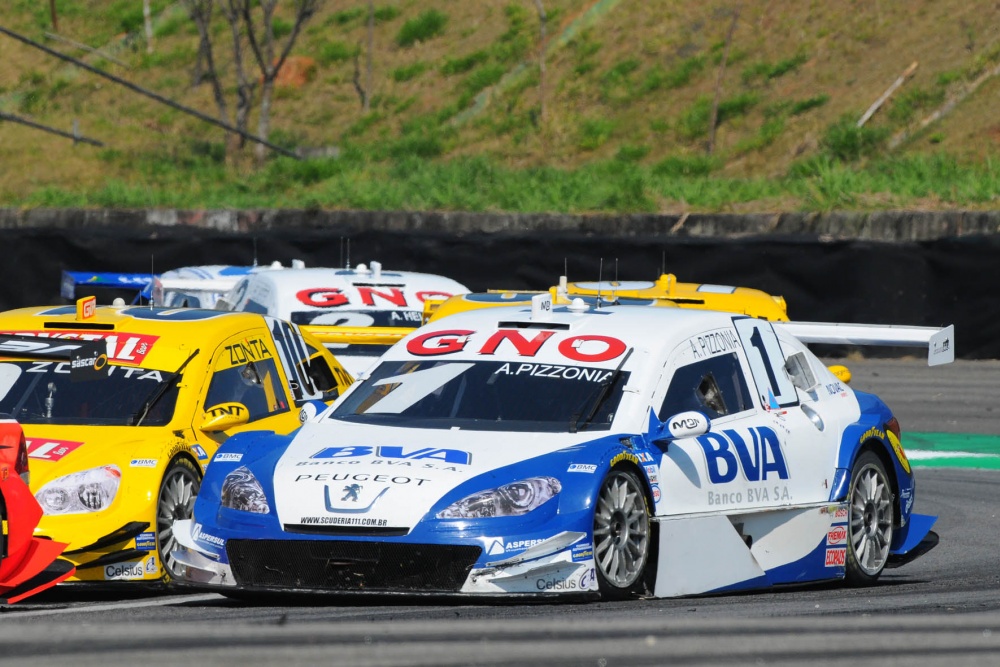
(942, 609)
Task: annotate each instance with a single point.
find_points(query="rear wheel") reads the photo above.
(621, 536)
(178, 490)
(869, 529)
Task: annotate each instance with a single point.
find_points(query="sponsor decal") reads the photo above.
(582, 552)
(142, 463)
(897, 447)
(839, 512)
(837, 535)
(645, 457)
(758, 457)
(86, 308)
(124, 571)
(585, 348)
(835, 388)
(123, 347)
(836, 557)
(872, 433)
(712, 343)
(496, 548)
(344, 521)
(453, 456)
(656, 493)
(573, 582)
(752, 497)
(624, 456)
(200, 535)
(50, 450)
(200, 452)
(582, 467)
(653, 473)
(151, 565)
(146, 541)
(229, 457)
(245, 351)
(499, 547)
(598, 375)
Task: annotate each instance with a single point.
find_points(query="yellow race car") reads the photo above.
(665, 291)
(124, 407)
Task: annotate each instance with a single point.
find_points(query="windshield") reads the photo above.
(42, 392)
(485, 395)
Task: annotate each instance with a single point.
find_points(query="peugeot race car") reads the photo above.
(28, 564)
(357, 313)
(123, 407)
(665, 291)
(619, 451)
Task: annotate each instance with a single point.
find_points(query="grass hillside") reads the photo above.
(455, 118)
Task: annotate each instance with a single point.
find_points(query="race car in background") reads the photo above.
(187, 286)
(566, 449)
(357, 313)
(28, 564)
(665, 291)
(123, 408)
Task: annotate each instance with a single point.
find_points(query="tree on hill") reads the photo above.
(253, 40)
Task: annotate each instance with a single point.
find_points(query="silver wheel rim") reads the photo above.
(176, 502)
(871, 520)
(621, 531)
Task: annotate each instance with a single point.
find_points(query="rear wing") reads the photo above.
(940, 342)
(338, 335)
(141, 283)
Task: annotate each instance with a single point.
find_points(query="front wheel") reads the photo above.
(178, 490)
(622, 536)
(869, 530)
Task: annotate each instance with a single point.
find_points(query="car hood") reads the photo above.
(342, 474)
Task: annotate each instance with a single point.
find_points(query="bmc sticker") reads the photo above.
(230, 457)
(142, 463)
(582, 467)
(50, 450)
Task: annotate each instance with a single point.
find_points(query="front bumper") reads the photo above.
(562, 564)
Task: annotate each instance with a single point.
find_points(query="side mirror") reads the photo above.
(682, 425)
(310, 409)
(224, 416)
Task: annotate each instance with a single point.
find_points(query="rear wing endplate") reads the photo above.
(940, 342)
(357, 335)
(141, 282)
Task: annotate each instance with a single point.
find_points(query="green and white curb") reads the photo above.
(952, 450)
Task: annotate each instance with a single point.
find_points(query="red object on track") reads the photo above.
(28, 564)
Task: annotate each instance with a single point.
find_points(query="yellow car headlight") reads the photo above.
(80, 492)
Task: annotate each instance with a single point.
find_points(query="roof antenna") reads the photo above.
(348, 264)
(255, 251)
(663, 262)
(600, 279)
(152, 279)
(614, 285)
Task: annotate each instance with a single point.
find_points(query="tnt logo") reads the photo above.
(758, 457)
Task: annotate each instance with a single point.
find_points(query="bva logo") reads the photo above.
(727, 454)
(446, 455)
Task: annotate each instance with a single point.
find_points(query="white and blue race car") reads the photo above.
(621, 451)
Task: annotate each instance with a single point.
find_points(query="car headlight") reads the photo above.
(242, 491)
(512, 499)
(87, 491)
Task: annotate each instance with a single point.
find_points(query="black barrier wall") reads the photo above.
(938, 282)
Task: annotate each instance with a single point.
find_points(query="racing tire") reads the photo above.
(623, 537)
(175, 501)
(869, 521)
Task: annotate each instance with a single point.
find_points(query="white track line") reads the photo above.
(12, 612)
(925, 454)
